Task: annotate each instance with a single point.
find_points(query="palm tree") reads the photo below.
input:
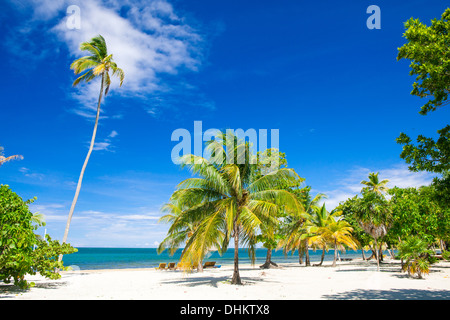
(179, 232)
(6, 159)
(297, 232)
(228, 200)
(96, 65)
(415, 252)
(339, 235)
(374, 184)
(316, 221)
(373, 214)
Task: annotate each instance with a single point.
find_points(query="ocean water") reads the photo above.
(125, 258)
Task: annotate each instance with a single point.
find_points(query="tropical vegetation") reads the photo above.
(22, 251)
(98, 64)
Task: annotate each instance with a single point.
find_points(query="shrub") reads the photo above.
(23, 252)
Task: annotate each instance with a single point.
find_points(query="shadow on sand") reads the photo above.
(392, 294)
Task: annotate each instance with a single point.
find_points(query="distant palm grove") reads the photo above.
(245, 205)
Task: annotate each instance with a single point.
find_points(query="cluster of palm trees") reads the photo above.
(317, 228)
(236, 201)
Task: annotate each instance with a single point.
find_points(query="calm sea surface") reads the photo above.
(123, 258)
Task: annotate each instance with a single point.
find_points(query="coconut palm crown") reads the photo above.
(228, 199)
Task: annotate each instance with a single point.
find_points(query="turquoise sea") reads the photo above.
(124, 258)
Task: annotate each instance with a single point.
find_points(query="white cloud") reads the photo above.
(148, 40)
(106, 143)
(350, 185)
(113, 134)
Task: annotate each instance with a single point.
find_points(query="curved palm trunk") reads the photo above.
(377, 254)
(80, 179)
(363, 254)
(307, 261)
(300, 254)
(269, 263)
(321, 258)
(335, 253)
(200, 266)
(236, 279)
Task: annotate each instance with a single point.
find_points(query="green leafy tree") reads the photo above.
(428, 49)
(348, 209)
(429, 154)
(17, 240)
(415, 213)
(98, 64)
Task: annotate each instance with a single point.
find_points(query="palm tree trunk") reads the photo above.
(307, 261)
(335, 254)
(376, 254)
(300, 254)
(321, 258)
(200, 266)
(80, 179)
(363, 254)
(269, 263)
(236, 279)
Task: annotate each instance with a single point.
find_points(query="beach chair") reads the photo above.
(162, 266)
(209, 264)
(171, 266)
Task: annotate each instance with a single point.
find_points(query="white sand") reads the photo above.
(349, 280)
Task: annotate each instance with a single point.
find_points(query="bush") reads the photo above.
(416, 254)
(446, 255)
(23, 252)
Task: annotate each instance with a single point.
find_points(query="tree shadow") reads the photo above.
(11, 290)
(392, 294)
(195, 281)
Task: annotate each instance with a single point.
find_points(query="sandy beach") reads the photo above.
(349, 280)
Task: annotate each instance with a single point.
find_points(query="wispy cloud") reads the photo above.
(350, 184)
(29, 174)
(106, 144)
(149, 40)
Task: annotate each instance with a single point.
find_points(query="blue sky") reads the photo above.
(313, 70)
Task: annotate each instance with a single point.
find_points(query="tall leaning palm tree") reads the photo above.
(98, 64)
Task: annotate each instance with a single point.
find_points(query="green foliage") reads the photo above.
(416, 255)
(227, 200)
(99, 63)
(17, 241)
(415, 213)
(428, 154)
(446, 255)
(429, 52)
(348, 209)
